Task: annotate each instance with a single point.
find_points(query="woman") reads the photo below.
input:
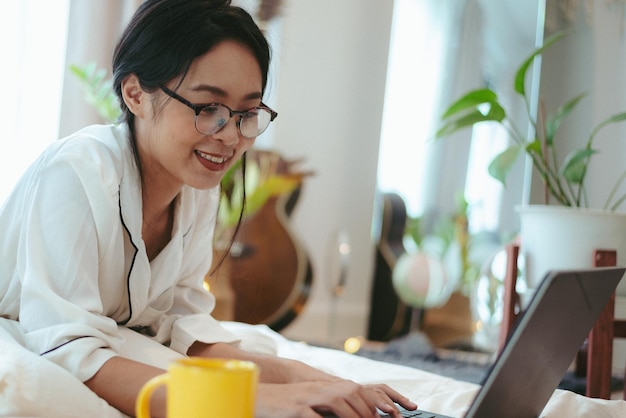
(112, 226)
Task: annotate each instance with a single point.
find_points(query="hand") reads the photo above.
(312, 399)
(291, 388)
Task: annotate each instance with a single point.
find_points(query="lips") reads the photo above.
(217, 159)
(212, 162)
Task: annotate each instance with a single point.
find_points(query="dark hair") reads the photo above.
(164, 37)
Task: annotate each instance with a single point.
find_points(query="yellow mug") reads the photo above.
(200, 387)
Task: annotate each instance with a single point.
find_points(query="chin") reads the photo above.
(204, 186)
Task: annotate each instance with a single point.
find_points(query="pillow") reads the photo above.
(31, 386)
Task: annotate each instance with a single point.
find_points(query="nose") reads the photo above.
(229, 134)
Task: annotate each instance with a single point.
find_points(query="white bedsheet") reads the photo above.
(34, 387)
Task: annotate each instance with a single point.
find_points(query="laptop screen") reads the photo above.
(544, 343)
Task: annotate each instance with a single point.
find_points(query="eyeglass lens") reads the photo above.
(252, 123)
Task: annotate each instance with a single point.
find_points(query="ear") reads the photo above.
(134, 96)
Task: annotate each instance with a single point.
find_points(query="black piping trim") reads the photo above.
(132, 264)
(65, 343)
(188, 230)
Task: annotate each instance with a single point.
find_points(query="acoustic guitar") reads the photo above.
(389, 316)
(268, 270)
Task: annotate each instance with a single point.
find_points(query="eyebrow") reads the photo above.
(222, 93)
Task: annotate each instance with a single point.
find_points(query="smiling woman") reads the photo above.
(111, 228)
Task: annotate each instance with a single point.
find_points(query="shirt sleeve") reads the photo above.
(63, 231)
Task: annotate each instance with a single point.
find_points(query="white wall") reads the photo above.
(332, 66)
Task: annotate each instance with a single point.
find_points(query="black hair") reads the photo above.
(164, 37)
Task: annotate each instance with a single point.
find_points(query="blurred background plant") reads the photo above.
(450, 241)
(267, 176)
(98, 90)
(564, 179)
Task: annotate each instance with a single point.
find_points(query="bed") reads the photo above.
(31, 386)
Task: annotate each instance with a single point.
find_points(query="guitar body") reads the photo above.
(270, 273)
(267, 276)
(389, 316)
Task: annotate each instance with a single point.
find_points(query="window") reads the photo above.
(32, 40)
(413, 84)
(482, 191)
(436, 54)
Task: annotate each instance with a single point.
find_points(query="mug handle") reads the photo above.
(142, 406)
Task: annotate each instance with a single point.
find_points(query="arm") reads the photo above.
(119, 381)
(291, 388)
(273, 369)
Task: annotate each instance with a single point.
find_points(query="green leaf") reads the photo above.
(575, 165)
(618, 117)
(495, 114)
(473, 99)
(534, 147)
(229, 176)
(98, 90)
(553, 122)
(520, 76)
(253, 176)
(272, 186)
(501, 165)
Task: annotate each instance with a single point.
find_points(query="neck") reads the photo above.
(158, 219)
(157, 202)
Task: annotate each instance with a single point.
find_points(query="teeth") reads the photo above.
(212, 158)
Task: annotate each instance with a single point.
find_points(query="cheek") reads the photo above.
(247, 143)
(180, 136)
(178, 121)
(244, 145)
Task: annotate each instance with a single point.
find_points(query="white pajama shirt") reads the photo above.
(73, 265)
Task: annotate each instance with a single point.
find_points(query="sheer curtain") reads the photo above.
(42, 101)
(32, 39)
(94, 28)
(439, 51)
(430, 41)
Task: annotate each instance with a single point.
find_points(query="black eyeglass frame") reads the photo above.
(199, 107)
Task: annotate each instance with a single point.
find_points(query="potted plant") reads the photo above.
(563, 179)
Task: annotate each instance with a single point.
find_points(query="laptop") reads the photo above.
(545, 340)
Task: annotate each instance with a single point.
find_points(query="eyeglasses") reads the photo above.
(211, 117)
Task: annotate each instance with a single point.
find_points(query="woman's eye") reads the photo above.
(210, 110)
(250, 114)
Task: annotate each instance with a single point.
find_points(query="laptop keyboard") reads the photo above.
(419, 414)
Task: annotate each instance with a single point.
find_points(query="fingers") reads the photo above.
(344, 398)
(284, 401)
(365, 399)
(387, 397)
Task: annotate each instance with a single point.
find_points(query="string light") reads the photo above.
(352, 345)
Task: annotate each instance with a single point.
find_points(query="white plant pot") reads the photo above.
(558, 237)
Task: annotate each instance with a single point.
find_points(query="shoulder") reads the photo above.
(105, 146)
(89, 164)
(98, 154)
